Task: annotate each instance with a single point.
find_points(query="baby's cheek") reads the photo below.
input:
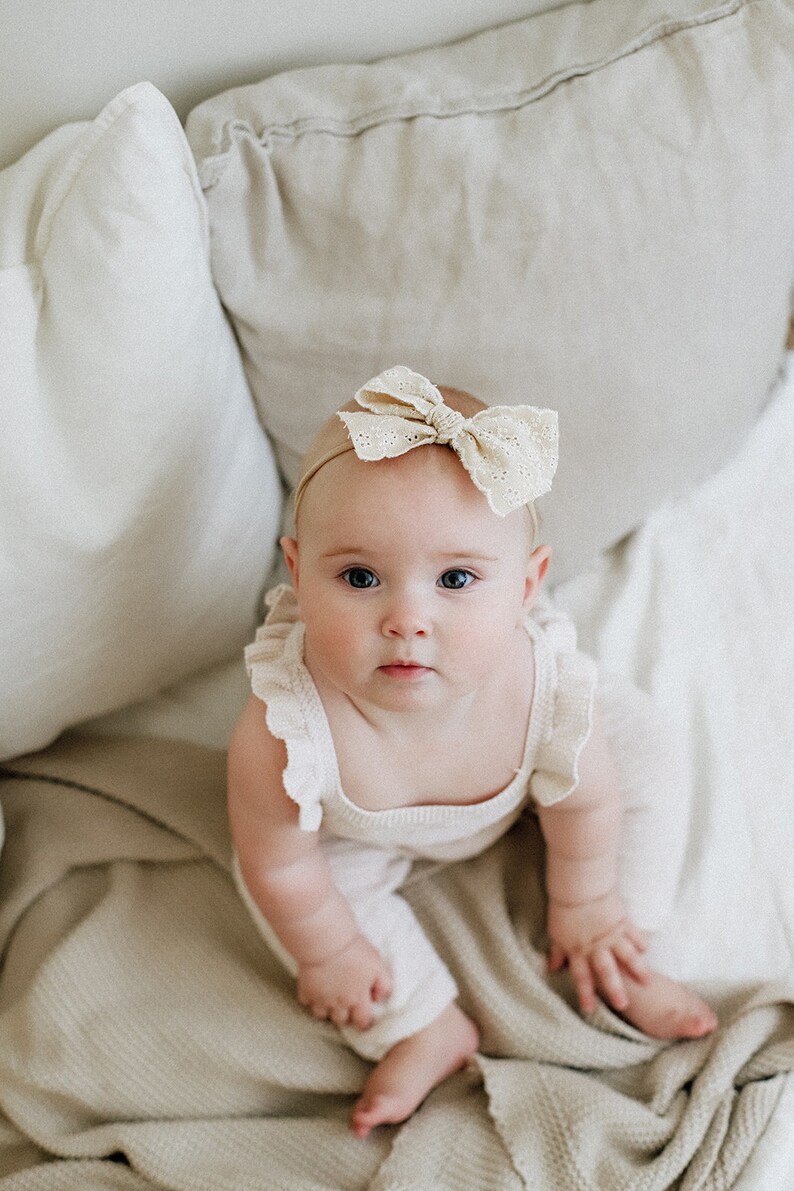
(486, 646)
(334, 638)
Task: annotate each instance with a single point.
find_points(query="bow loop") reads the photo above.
(510, 452)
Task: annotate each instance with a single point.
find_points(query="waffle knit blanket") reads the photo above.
(148, 1040)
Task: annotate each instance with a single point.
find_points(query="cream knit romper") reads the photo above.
(371, 852)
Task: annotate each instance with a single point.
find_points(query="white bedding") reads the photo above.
(696, 606)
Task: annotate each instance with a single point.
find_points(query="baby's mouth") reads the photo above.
(404, 670)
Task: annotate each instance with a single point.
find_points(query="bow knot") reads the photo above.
(446, 422)
(509, 451)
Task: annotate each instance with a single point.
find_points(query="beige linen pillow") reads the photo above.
(139, 500)
(590, 209)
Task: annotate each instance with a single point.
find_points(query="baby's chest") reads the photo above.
(430, 769)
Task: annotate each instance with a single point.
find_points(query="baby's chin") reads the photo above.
(405, 679)
(404, 689)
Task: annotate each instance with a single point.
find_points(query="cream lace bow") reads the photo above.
(510, 451)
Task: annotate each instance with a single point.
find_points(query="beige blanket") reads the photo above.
(148, 1040)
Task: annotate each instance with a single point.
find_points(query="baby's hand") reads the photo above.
(344, 987)
(599, 944)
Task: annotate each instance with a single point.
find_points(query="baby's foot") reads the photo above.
(662, 1008)
(412, 1068)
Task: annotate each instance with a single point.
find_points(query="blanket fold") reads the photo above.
(142, 1018)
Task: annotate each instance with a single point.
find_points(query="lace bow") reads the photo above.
(510, 451)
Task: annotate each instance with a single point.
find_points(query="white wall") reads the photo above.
(62, 60)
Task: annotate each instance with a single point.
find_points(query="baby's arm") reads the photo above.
(587, 922)
(340, 974)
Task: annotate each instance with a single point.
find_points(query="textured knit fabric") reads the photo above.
(140, 1014)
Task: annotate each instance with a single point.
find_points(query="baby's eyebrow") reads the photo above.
(468, 556)
(464, 555)
(344, 552)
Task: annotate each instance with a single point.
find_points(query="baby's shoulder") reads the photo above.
(253, 750)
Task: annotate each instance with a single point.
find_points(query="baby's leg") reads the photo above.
(413, 1067)
(653, 846)
(419, 1036)
(422, 986)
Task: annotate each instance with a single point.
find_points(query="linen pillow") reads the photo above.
(589, 209)
(139, 498)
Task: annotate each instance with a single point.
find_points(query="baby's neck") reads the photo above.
(449, 718)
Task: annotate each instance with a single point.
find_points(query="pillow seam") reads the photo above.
(212, 168)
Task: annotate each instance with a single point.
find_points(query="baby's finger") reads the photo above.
(361, 1017)
(556, 959)
(381, 989)
(609, 978)
(637, 937)
(339, 1014)
(634, 964)
(583, 979)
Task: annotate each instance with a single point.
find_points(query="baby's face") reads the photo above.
(410, 587)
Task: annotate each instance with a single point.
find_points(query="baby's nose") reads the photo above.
(405, 617)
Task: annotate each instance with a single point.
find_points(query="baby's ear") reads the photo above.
(538, 565)
(290, 548)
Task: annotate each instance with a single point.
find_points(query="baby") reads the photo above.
(412, 694)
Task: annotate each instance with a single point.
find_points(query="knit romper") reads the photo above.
(370, 853)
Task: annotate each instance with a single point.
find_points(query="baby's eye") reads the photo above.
(360, 578)
(456, 579)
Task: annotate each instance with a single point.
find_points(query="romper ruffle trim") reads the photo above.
(279, 678)
(565, 686)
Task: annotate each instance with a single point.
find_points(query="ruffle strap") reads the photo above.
(565, 685)
(294, 713)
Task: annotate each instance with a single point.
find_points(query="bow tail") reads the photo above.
(385, 436)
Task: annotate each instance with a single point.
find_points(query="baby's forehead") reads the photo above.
(426, 473)
(425, 495)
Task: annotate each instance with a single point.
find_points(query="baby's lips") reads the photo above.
(405, 670)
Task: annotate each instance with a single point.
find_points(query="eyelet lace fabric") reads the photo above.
(510, 451)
